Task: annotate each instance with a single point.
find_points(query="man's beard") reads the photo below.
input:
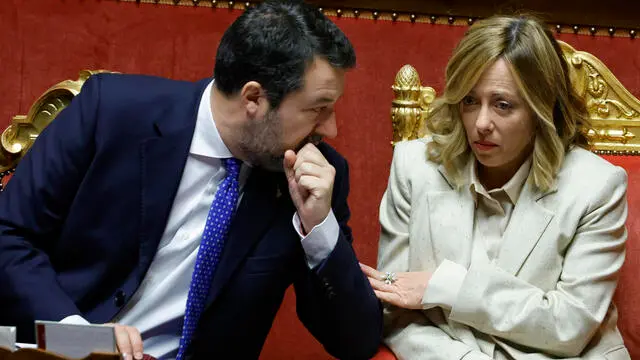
(262, 142)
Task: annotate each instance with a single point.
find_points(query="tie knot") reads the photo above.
(233, 167)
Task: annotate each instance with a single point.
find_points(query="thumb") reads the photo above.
(294, 189)
(288, 163)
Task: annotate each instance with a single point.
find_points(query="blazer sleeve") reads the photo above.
(561, 321)
(32, 210)
(335, 300)
(408, 333)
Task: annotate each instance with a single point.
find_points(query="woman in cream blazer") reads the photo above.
(502, 237)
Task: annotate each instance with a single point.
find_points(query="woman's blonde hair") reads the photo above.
(542, 77)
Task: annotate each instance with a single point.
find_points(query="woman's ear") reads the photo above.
(254, 99)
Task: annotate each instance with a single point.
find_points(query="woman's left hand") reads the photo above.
(403, 289)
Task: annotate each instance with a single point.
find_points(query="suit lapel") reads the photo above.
(162, 163)
(451, 221)
(527, 224)
(162, 159)
(258, 208)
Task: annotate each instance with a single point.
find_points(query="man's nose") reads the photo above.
(328, 127)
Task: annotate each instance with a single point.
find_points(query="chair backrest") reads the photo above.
(615, 116)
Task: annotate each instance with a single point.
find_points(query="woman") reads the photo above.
(502, 236)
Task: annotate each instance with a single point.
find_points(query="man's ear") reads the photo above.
(254, 99)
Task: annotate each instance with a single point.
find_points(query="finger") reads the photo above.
(310, 169)
(312, 184)
(310, 153)
(297, 193)
(136, 342)
(369, 271)
(388, 298)
(123, 341)
(288, 163)
(380, 285)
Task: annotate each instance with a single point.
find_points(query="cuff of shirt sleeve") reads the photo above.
(75, 320)
(444, 285)
(320, 241)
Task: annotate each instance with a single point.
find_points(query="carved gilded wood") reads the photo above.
(410, 106)
(16, 139)
(613, 110)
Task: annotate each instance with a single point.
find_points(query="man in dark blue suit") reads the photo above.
(103, 220)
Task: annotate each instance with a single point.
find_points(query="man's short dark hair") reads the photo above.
(273, 43)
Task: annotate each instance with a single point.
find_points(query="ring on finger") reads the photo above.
(389, 277)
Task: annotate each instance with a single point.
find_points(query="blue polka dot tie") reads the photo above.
(215, 232)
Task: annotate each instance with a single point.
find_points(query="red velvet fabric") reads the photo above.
(384, 353)
(5, 179)
(44, 42)
(627, 295)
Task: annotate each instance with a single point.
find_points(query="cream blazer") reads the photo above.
(548, 293)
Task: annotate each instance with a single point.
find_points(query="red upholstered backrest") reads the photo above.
(627, 296)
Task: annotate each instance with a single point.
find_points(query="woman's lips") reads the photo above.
(484, 145)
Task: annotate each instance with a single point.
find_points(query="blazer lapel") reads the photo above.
(258, 208)
(527, 224)
(451, 221)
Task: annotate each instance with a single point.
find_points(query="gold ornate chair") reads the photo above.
(18, 137)
(615, 117)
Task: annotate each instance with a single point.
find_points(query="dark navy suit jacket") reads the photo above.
(81, 219)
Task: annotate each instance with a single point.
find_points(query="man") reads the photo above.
(130, 205)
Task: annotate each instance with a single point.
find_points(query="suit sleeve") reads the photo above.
(335, 300)
(408, 332)
(33, 208)
(560, 321)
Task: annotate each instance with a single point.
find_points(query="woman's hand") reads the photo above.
(403, 289)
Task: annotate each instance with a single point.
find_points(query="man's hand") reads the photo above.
(129, 341)
(404, 290)
(310, 178)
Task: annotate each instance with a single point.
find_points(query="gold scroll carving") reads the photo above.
(18, 137)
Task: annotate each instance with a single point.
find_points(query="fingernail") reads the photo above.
(138, 356)
(125, 356)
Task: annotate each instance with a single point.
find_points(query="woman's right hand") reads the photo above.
(403, 289)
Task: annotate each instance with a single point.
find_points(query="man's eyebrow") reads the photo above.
(322, 100)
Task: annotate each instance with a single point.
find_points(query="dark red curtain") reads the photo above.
(44, 42)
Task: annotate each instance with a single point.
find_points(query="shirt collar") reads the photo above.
(512, 188)
(206, 138)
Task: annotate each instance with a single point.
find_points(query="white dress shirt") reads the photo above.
(158, 306)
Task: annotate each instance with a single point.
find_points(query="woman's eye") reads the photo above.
(503, 105)
(318, 110)
(468, 100)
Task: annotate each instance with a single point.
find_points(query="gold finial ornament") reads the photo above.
(410, 106)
